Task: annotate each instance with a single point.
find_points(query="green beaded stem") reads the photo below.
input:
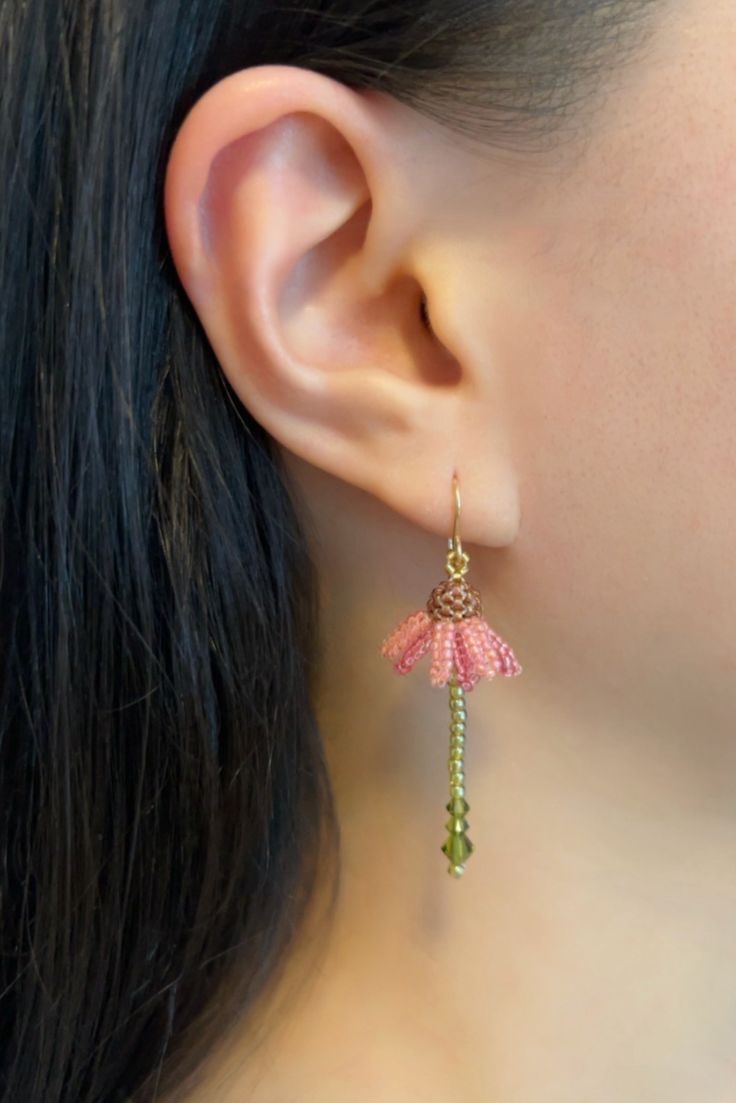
(457, 846)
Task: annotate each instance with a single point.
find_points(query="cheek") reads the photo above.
(624, 412)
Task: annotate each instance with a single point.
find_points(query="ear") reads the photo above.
(296, 210)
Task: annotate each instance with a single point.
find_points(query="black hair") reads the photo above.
(165, 805)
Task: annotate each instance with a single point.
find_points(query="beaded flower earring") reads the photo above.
(464, 649)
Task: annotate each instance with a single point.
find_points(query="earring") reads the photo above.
(464, 649)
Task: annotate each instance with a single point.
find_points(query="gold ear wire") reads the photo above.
(457, 559)
(458, 508)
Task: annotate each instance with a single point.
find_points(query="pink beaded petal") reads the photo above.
(415, 650)
(442, 652)
(504, 659)
(466, 673)
(483, 659)
(404, 635)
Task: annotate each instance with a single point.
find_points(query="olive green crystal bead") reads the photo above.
(458, 806)
(457, 848)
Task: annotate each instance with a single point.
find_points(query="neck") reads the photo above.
(589, 949)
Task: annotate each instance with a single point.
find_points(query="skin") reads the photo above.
(579, 376)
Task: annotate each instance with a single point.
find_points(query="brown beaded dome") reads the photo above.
(454, 599)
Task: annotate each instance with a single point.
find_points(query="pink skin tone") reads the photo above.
(579, 375)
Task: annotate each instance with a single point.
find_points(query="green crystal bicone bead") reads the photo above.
(458, 806)
(457, 848)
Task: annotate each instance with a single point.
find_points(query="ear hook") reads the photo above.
(456, 543)
(457, 559)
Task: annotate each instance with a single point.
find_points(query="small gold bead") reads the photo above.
(456, 871)
(457, 691)
(456, 754)
(457, 791)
